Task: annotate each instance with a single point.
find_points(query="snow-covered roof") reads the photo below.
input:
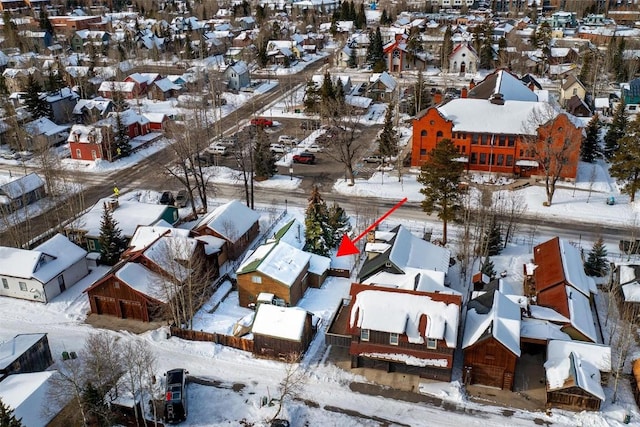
(83, 133)
(573, 367)
(598, 355)
(601, 102)
(212, 245)
(386, 79)
(413, 279)
(284, 263)
(580, 313)
(546, 313)
(146, 78)
(147, 234)
(541, 330)
(481, 115)
(631, 292)
(42, 263)
(117, 87)
(14, 348)
(239, 68)
(26, 394)
(172, 253)
(574, 269)
(166, 85)
(411, 251)
(99, 103)
(231, 220)
(145, 281)
(44, 126)
(358, 101)
(319, 264)
(402, 314)
(502, 322)
(129, 214)
(279, 322)
(20, 186)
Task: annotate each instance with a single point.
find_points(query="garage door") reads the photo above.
(131, 310)
(487, 375)
(106, 305)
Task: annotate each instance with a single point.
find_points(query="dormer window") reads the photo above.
(364, 334)
(432, 343)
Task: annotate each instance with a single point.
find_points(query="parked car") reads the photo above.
(10, 155)
(262, 122)
(315, 148)
(228, 141)
(278, 148)
(220, 150)
(182, 198)
(279, 422)
(310, 125)
(167, 198)
(286, 139)
(373, 159)
(175, 405)
(306, 158)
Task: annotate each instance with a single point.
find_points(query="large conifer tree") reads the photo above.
(440, 177)
(122, 144)
(33, 101)
(318, 234)
(388, 143)
(625, 163)
(589, 147)
(112, 244)
(596, 263)
(338, 223)
(264, 163)
(616, 130)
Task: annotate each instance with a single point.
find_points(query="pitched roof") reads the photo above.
(502, 81)
(20, 186)
(231, 220)
(14, 348)
(403, 312)
(571, 80)
(501, 320)
(145, 281)
(571, 371)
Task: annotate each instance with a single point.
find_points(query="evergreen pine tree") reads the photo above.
(112, 244)
(318, 234)
(4, 90)
(33, 100)
(7, 417)
(361, 20)
(311, 98)
(43, 21)
(589, 147)
(488, 268)
(338, 223)
(384, 18)
(625, 163)
(371, 58)
(493, 239)
(503, 55)
(122, 145)
(379, 65)
(596, 263)
(264, 162)
(352, 62)
(486, 47)
(440, 177)
(388, 143)
(616, 130)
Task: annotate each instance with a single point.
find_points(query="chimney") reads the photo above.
(112, 204)
(463, 92)
(497, 99)
(437, 98)
(472, 84)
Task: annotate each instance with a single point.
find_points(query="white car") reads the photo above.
(220, 150)
(278, 148)
(315, 148)
(286, 139)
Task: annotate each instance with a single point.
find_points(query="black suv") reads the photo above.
(167, 198)
(175, 405)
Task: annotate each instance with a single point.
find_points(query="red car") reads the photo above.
(306, 158)
(262, 122)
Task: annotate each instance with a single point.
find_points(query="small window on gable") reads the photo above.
(364, 335)
(393, 339)
(432, 343)
(423, 132)
(5, 283)
(256, 279)
(23, 286)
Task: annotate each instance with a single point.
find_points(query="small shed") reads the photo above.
(573, 383)
(281, 332)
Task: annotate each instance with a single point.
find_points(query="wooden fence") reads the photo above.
(226, 340)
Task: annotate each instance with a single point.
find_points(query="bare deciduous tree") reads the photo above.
(292, 382)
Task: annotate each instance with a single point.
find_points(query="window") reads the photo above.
(116, 285)
(94, 155)
(423, 132)
(23, 286)
(474, 138)
(5, 284)
(509, 160)
(438, 135)
(500, 159)
(484, 140)
(393, 339)
(575, 91)
(502, 140)
(423, 151)
(364, 335)
(91, 244)
(432, 343)
(78, 153)
(483, 158)
(464, 149)
(474, 158)
(511, 141)
(256, 279)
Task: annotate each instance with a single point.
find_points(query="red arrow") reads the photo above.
(348, 247)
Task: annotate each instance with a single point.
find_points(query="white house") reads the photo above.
(463, 59)
(44, 272)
